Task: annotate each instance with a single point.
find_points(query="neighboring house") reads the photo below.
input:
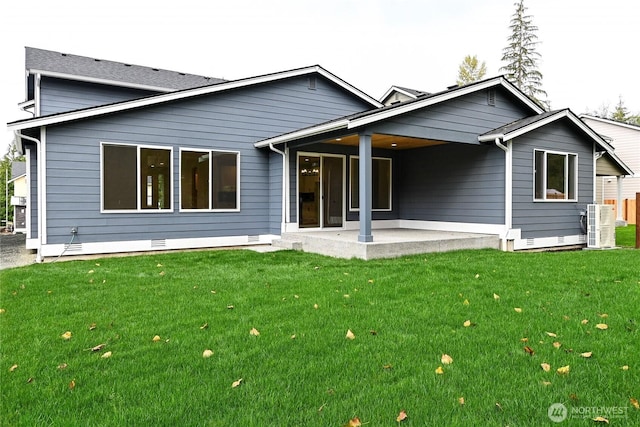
(19, 197)
(397, 94)
(241, 162)
(625, 139)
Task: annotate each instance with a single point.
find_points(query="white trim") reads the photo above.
(465, 227)
(29, 194)
(36, 95)
(87, 79)
(566, 178)
(182, 94)
(131, 246)
(303, 133)
(611, 122)
(42, 187)
(350, 199)
(550, 242)
(393, 89)
(508, 185)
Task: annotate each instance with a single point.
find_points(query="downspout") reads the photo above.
(285, 174)
(508, 189)
(39, 175)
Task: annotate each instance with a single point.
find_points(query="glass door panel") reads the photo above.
(309, 192)
(332, 191)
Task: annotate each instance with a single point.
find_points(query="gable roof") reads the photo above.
(411, 93)
(393, 110)
(611, 122)
(85, 113)
(82, 68)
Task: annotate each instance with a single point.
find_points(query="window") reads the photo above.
(380, 183)
(135, 178)
(555, 176)
(209, 180)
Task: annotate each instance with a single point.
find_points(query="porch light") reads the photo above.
(393, 144)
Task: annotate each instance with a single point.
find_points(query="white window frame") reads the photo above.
(390, 208)
(139, 196)
(210, 152)
(567, 181)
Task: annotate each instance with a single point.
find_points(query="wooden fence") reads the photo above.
(628, 209)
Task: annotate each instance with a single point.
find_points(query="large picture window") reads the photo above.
(135, 178)
(380, 184)
(209, 180)
(555, 176)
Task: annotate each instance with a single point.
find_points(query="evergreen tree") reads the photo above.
(470, 71)
(620, 113)
(522, 57)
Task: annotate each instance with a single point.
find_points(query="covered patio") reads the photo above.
(388, 243)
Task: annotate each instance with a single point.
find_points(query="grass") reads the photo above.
(405, 314)
(626, 236)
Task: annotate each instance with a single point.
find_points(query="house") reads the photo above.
(612, 186)
(118, 166)
(397, 94)
(19, 197)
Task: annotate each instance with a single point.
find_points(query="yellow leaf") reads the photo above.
(557, 344)
(66, 335)
(401, 416)
(293, 337)
(602, 326)
(159, 265)
(13, 368)
(545, 367)
(207, 353)
(315, 306)
(370, 281)
(584, 321)
(603, 315)
(72, 384)
(446, 359)
(465, 302)
(466, 323)
(156, 338)
(634, 402)
(254, 332)
(439, 370)
(92, 326)
(2, 311)
(551, 334)
(350, 335)
(546, 383)
(62, 366)
(106, 355)
(563, 370)
(98, 347)
(461, 400)
(586, 354)
(354, 422)
(229, 307)
(496, 297)
(205, 326)
(236, 383)
(625, 368)
(517, 310)
(477, 276)
(524, 339)
(601, 420)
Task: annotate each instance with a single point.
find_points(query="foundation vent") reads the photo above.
(253, 239)
(158, 243)
(73, 247)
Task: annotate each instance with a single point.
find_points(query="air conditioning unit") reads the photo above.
(601, 223)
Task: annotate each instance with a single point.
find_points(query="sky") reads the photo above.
(589, 48)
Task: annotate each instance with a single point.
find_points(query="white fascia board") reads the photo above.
(100, 81)
(303, 133)
(157, 99)
(611, 122)
(396, 89)
(348, 87)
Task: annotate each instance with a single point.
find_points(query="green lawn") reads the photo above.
(626, 236)
(301, 370)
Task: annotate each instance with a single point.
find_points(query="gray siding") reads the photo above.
(458, 120)
(57, 95)
(549, 219)
(454, 183)
(233, 120)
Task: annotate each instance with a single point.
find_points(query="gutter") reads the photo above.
(39, 177)
(285, 174)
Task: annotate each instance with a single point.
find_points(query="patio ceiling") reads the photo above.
(379, 140)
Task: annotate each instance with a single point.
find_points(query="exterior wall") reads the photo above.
(549, 218)
(458, 120)
(453, 183)
(57, 95)
(233, 120)
(626, 142)
(32, 197)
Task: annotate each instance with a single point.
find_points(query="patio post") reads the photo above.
(364, 179)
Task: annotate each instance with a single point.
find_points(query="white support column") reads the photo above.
(619, 219)
(364, 178)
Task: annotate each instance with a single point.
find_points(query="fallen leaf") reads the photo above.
(254, 332)
(586, 354)
(229, 307)
(156, 338)
(72, 384)
(565, 317)
(524, 339)
(30, 380)
(601, 420)
(205, 326)
(207, 353)
(401, 416)
(98, 347)
(322, 407)
(634, 402)
(498, 406)
(529, 350)
(90, 271)
(461, 400)
(477, 276)
(350, 335)
(387, 366)
(293, 337)
(346, 296)
(66, 335)
(353, 422)
(466, 323)
(496, 297)
(106, 355)
(603, 315)
(236, 383)
(551, 334)
(446, 359)
(159, 265)
(602, 326)
(439, 370)
(557, 344)
(625, 367)
(563, 370)
(315, 306)
(517, 310)
(465, 302)
(546, 383)
(584, 321)
(13, 368)
(370, 281)
(92, 326)
(545, 367)
(62, 366)
(2, 311)
(162, 273)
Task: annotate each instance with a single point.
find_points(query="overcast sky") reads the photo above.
(589, 48)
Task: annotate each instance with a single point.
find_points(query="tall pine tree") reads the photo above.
(522, 57)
